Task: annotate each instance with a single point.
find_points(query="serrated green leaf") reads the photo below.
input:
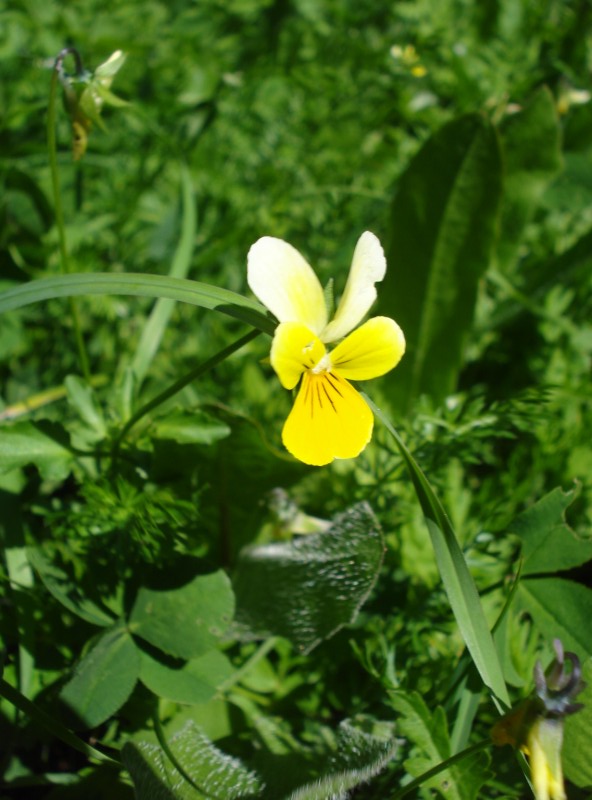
(429, 733)
(317, 582)
(191, 682)
(201, 609)
(561, 609)
(531, 149)
(577, 744)
(103, 678)
(64, 589)
(443, 224)
(44, 444)
(548, 544)
(190, 428)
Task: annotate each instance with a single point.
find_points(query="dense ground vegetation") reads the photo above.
(186, 610)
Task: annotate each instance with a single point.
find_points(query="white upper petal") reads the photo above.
(286, 284)
(368, 267)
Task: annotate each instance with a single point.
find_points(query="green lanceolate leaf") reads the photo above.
(43, 444)
(191, 682)
(548, 544)
(458, 582)
(577, 745)
(103, 678)
(138, 285)
(157, 322)
(443, 224)
(560, 609)
(531, 150)
(201, 609)
(428, 732)
(317, 582)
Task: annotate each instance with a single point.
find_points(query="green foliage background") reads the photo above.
(174, 594)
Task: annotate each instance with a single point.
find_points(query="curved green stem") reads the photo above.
(176, 387)
(59, 212)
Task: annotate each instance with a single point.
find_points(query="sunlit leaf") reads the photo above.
(188, 427)
(201, 609)
(43, 444)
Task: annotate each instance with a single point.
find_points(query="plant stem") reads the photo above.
(59, 213)
(176, 387)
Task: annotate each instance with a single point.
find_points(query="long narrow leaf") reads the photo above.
(156, 324)
(458, 583)
(138, 285)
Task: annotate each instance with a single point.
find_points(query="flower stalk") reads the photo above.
(57, 197)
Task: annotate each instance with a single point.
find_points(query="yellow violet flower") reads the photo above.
(330, 419)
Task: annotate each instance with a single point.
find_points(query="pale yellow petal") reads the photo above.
(368, 267)
(372, 350)
(330, 419)
(286, 284)
(544, 750)
(294, 349)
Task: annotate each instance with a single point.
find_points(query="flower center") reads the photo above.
(324, 365)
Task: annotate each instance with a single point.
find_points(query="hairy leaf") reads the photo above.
(317, 582)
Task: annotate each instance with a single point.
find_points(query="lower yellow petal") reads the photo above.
(370, 351)
(330, 419)
(544, 749)
(295, 348)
